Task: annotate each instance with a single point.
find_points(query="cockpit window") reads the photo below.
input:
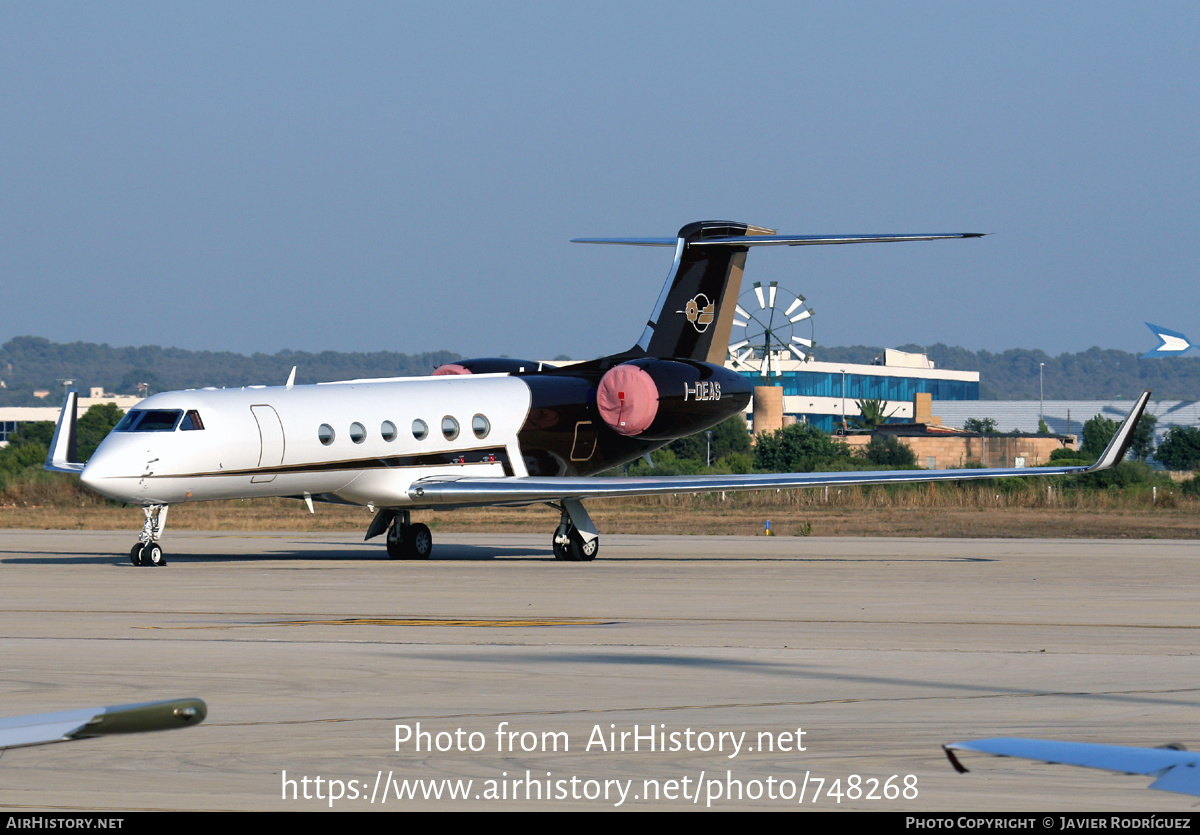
(191, 421)
(149, 420)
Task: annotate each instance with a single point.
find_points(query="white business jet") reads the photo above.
(479, 432)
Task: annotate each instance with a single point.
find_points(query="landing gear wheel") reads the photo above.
(560, 543)
(409, 542)
(561, 548)
(418, 542)
(395, 541)
(582, 551)
(152, 554)
(575, 549)
(147, 551)
(395, 548)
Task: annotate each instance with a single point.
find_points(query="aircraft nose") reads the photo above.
(101, 475)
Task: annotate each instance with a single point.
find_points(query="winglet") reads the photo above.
(1170, 343)
(959, 767)
(63, 445)
(1119, 445)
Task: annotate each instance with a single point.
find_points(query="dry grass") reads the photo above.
(943, 511)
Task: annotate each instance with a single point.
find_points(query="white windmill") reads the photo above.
(781, 328)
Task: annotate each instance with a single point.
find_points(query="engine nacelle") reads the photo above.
(660, 399)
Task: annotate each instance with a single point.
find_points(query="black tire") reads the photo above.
(152, 555)
(561, 551)
(583, 551)
(418, 542)
(395, 543)
(135, 554)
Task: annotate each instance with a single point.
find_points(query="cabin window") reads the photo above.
(191, 421)
(358, 433)
(480, 426)
(449, 428)
(149, 420)
(325, 434)
(420, 429)
(388, 431)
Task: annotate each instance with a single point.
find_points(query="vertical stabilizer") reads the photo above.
(694, 314)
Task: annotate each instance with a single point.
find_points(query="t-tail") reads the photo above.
(694, 314)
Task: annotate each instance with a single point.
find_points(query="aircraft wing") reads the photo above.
(44, 728)
(450, 490)
(1176, 770)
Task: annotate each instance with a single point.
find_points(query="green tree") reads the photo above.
(33, 432)
(1043, 428)
(1141, 445)
(985, 426)
(889, 451)
(729, 437)
(874, 414)
(799, 448)
(1180, 449)
(94, 426)
(1097, 432)
(1068, 456)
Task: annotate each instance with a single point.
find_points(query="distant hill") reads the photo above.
(28, 363)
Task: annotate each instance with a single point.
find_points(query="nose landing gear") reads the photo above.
(147, 551)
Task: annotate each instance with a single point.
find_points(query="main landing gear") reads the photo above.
(406, 541)
(147, 551)
(575, 539)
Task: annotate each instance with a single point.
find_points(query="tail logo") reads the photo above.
(700, 312)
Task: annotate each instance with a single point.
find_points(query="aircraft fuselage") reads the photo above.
(367, 441)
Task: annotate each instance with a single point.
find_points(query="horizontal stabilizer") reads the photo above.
(784, 240)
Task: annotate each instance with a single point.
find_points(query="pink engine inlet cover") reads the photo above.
(628, 399)
(449, 369)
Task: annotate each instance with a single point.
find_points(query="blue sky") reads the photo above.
(256, 176)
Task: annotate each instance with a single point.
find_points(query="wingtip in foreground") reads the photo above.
(1177, 770)
(85, 723)
(1114, 453)
(1170, 343)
